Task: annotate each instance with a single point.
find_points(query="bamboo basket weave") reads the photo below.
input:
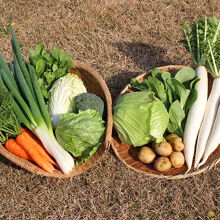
(128, 154)
(94, 83)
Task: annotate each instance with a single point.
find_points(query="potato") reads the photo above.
(176, 142)
(146, 155)
(177, 159)
(163, 148)
(162, 164)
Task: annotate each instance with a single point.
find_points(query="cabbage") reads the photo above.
(140, 118)
(63, 93)
(81, 134)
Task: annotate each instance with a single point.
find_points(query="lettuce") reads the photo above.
(63, 94)
(140, 118)
(81, 134)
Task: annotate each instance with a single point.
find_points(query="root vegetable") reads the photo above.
(162, 164)
(177, 159)
(146, 155)
(195, 116)
(163, 148)
(175, 141)
(214, 139)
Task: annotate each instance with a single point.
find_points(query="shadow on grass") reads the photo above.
(145, 56)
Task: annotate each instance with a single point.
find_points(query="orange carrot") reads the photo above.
(27, 145)
(31, 134)
(39, 146)
(12, 146)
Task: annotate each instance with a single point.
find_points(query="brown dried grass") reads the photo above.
(120, 39)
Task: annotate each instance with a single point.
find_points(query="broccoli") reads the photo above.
(86, 101)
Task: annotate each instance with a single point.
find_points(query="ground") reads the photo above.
(120, 39)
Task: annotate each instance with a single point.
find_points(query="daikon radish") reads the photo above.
(195, 116)
(202, 41)
(214, 139)
(208, 121)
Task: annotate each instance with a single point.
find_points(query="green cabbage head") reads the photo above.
(81, 134)
(140, 118)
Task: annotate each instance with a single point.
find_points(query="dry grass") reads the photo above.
(120, 39)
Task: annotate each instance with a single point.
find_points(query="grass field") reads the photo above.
(120, 39)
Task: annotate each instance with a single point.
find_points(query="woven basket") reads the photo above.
(128, 154)
(94, 83)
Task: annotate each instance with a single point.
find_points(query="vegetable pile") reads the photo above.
(160, 108)
(36, 93)
(192, 115)
(165, 154)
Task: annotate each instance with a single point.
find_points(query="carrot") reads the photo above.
(38, 145)
(30, 133)
(27, 145)
(12, 146)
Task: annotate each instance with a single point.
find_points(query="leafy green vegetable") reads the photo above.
(63, 93)
(86, 101)
(201, 37)
(185, 74)
(81, 133)
(176, 116)
(169, 90)
(49, 66)
(140, 118)
(9, 123)
(181, 92)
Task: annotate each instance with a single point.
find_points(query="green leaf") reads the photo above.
(50, 76)
(32, 53)
(45, 93)
(181, 91)
(156, 72)
(63, 57)
(39, 49)
(40, 66)
(88, 153)
(185, 74)
(69, 63)
(176, 116)
(140, 86)
(40, 81)
(158, 88)
(46, 56)
(174, 129)
(54, 67)
(33, 60)
(194, 82)
(60, 72)
(191, 99)
(56, 53)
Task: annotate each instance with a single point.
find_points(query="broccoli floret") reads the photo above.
(86, 101)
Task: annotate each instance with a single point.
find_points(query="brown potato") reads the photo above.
(176, 142)
(146, 155)
(163, 148)
(162, 164)
(177, 159)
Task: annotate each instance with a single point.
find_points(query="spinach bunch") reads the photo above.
(49, 66)
(9, 123)
(178, 94)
